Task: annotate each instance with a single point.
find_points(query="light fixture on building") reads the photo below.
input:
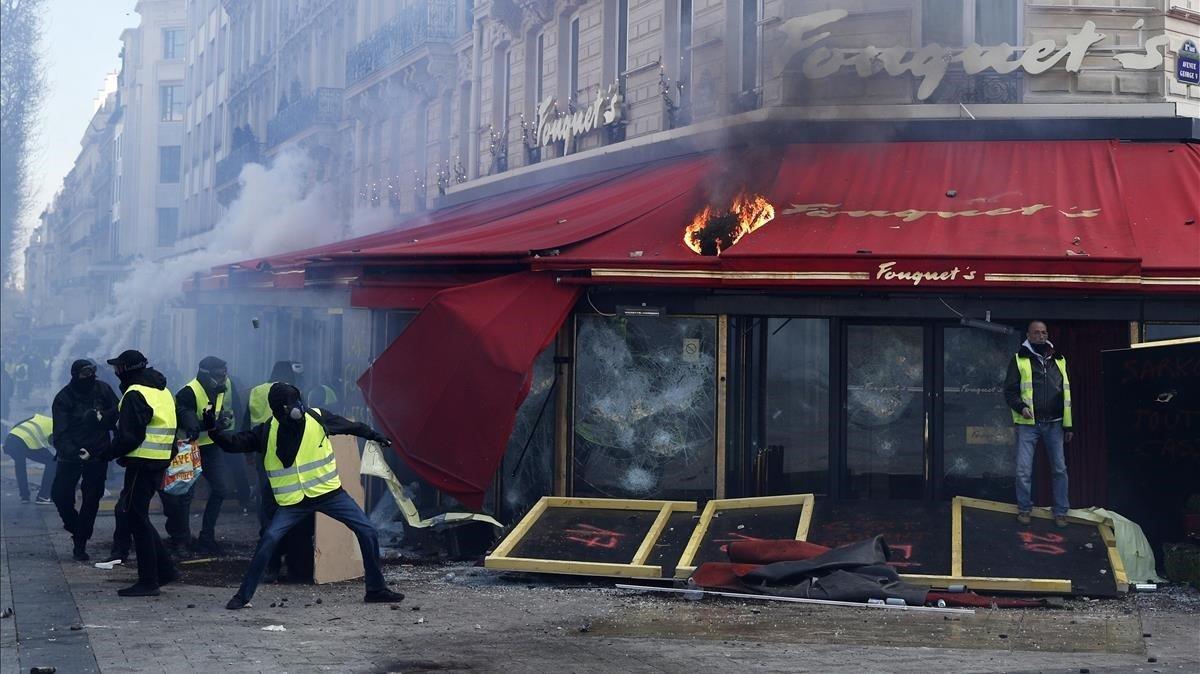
(987, 325)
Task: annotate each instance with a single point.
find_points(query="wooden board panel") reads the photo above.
(613, 537)
(728, 520)
(995, 544)
(669, 547)
(336, 555)
(918, 532)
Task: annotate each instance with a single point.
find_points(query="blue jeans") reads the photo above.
(341, 508)
(1051, 435)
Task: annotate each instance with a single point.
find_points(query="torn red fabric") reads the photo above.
(766, 552)
(447, 390)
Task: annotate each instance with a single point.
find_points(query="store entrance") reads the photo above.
(869, 409)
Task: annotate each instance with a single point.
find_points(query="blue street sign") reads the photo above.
(1187, 63)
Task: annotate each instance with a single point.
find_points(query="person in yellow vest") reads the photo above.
(323, 396)
(30, 440)
(302, 470)
(211, 389)
(143, 444)
(1038, 391)
(297, 546)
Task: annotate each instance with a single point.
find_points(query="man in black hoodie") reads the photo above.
(210, 389)
(83, 412)
(303, 475)
(143, 444)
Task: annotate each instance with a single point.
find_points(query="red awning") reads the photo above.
(937, 215)
(447, 390)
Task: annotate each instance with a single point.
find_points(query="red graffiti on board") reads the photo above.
(594, 537)
(1046, 544)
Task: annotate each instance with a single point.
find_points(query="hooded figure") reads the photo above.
(302, 475)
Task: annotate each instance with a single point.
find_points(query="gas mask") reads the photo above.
(216, 377)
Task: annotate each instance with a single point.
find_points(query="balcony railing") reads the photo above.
(230, 167)
(323, 106)
(419, 23)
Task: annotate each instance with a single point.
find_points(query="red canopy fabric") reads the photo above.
(447, 390)
(1072, 214)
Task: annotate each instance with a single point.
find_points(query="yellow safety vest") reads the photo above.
(314, 472)
(330, 394)
(35, 431)
(260, 409)
(202, 404)
(1025, 368)
(160, 432)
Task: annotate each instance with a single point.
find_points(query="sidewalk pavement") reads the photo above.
(464, 618)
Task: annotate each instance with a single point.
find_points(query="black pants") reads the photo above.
(153, 560)
(69, 477)
(20, 454)
(178, 507)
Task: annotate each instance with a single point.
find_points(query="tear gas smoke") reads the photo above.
(281, 208)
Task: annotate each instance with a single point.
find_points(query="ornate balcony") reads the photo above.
(230, 167)
(323, 106)
(418, 24)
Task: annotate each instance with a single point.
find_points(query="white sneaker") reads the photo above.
(42, 500)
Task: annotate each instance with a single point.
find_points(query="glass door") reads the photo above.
(886, 412)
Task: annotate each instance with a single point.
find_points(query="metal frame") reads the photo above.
(635, 568)
(685, 568)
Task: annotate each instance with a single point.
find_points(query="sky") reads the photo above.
(81, 41)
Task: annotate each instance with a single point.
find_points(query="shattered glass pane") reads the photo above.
(645, 407)
(797, 402)
(885, 411)
(978, 434)
(525, 478)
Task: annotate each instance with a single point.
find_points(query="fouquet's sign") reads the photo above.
(554, 126)
(930, 63)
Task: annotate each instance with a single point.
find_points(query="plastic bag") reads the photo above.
(184, 470)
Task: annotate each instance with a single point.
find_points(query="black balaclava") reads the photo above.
(284, 400)
(287, 371)
(83, 375)
(208, 366)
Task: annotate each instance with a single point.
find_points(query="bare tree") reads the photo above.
(22, 84)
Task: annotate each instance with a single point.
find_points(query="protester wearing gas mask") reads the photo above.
(302, 471)
(84, 412)
(210, 390)
(143, 443)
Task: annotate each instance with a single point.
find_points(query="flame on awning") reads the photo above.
(714, 230)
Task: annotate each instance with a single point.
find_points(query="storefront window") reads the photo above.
(885, 411)
(645, 407)
(527, 472)
(977, 426)
(797, 406)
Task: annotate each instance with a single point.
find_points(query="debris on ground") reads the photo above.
(274, 628)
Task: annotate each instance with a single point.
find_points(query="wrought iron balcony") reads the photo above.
(419, 23)
(230, 167)
(323, 106)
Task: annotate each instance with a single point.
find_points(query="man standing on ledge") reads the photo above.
(143, 444)
(302, 471)
(1038, 391)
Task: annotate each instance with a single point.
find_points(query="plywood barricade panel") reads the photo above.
(988, 542)
(588, 536)
(743, 519)
(335, 549)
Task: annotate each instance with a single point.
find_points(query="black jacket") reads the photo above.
(135, 415)
(1047, 385)
(288, 442)
(75, 424)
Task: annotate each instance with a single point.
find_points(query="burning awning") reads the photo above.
(927, 215)
(447, 390)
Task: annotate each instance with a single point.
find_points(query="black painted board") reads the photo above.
(669, 547)
(600, 535)
(746, 524)
(918, 532)
(995, 544)
(1152, 420)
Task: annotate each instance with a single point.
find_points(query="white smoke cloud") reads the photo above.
(281, 208)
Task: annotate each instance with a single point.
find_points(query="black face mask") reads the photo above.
(83, 382)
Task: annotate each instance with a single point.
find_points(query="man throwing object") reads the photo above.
(300, 465)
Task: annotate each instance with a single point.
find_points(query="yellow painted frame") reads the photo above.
(635, 568)
(685, 567)
(1103, 524)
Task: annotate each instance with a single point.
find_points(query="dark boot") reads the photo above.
(236, 602)
(384, 596)
(207, 545)
(139, 589)
(80, 551)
